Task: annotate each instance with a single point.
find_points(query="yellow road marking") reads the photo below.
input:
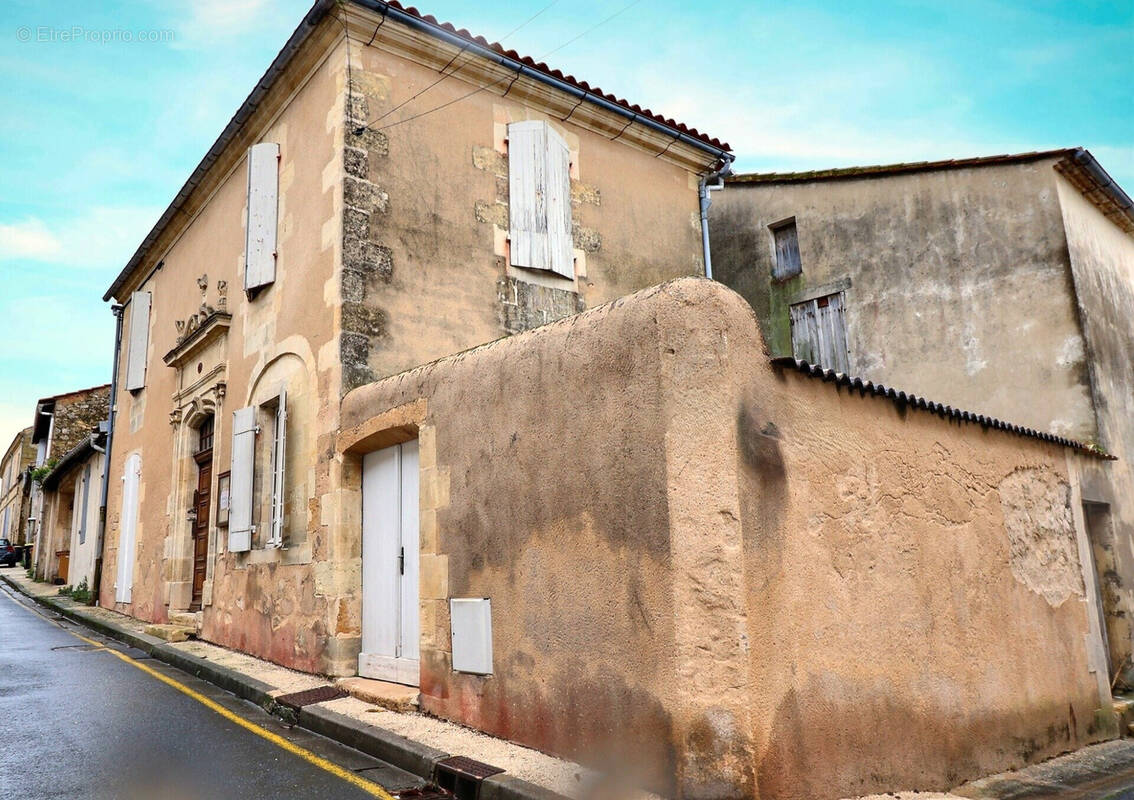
(369, 787)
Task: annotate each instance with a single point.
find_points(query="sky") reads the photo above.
(108, 106)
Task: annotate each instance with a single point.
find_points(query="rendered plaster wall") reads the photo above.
(268, 601)
(731, 581)
(1102, 259)
(957, 282)
(425, 219)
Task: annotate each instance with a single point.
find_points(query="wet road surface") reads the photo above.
(78, 721)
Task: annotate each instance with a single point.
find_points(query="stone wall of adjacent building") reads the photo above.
(1102, 261)
(731, 579)
(957, 283)
(77, 415)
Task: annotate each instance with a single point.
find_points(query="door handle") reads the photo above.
(401, 561)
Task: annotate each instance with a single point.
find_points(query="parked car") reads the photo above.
(9, 554)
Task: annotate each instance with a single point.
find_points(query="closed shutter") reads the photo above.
(240, 480)
(527, 179)
(139, 341)
(819, 333)
(561, 249)
(127, 528)
(279, 460)
(83, 507)
(263, 208)
(788, 263)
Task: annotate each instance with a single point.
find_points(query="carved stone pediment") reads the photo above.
(200, 331)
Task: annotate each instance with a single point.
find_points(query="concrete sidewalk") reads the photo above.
(412, 741)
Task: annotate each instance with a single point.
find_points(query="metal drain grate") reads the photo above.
(462, 776)
(320, 694)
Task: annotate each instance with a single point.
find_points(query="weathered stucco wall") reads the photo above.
(959, 283)
(1102, 261)
(739, 582)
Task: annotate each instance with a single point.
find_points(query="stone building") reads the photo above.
(361, 214)
(15, 487)
(62, 424)
(1003, 284)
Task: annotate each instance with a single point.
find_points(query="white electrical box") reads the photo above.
(470, 621)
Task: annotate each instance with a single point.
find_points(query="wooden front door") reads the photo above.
(201, 498)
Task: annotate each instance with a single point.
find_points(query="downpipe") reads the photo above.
(710, 182)
(96, 583)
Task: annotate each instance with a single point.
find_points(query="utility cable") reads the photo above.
(574, 39)
(445, 74)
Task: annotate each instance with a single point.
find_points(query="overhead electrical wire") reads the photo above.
(411, 118)
(445, 74)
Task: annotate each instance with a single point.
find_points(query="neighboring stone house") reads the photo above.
(62, 423)
(72, 493)
(727, 578)
(15, 487)
(1004, 285)
(336, 234)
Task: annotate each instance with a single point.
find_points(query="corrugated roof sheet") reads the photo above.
(912, 401)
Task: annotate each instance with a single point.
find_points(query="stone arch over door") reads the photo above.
(186, 422)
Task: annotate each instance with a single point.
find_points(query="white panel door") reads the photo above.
(390, 624)
(124, 582)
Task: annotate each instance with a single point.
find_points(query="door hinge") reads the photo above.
(401, 561)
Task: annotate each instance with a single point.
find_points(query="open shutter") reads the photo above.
(561, 249)
(263, 208)
(527, 196)
(279, 459)
(240, 480)
(139, 341)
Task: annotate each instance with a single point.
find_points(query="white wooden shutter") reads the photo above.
(263, 207)
(279, 459)
(527, 180)
(139, 341)
(83, 504)
(561, 249)
(130, 478)
(240, 480)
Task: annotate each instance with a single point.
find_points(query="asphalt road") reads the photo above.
(77, 721)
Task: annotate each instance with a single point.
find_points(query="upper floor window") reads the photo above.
(539, 198)
(819, 332)
(786, 238)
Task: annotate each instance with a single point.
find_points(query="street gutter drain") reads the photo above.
(320, 694)
(462, 776)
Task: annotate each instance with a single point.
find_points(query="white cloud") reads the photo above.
(29, 238)
(102, 237)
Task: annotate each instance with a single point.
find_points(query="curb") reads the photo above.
(412, 756)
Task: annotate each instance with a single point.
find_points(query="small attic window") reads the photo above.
(786, 240)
